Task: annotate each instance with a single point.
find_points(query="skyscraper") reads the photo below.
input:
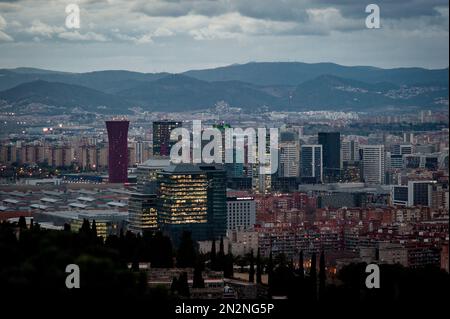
(402, 149)
(311, 163)
(161, 137)
(350, 150)
(142, 212)
(118, 150)
(193, 198)
(331, 145)
(372, 163)
(289, 159)
(415, 193)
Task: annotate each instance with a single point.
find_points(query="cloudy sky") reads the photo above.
(177, 35)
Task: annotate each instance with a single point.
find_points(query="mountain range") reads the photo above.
(282, 86)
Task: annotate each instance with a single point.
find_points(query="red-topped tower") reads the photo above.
(118, 150)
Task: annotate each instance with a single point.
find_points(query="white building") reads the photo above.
(350, 150)
(373, 163)
(241, 213)
(289, 163)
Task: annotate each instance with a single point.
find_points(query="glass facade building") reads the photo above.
(331, 145)
(311, 163)
(161, 137)
(193, 198)
(142, 213)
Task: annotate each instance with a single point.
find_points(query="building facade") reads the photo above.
(118, 150)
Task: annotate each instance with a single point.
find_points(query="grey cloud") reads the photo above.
(255, 29)
(288, 10)
(392, 9)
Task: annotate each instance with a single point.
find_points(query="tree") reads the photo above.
(183, 286)
(135, 263)
(162, 254)
(198, 281)
(221, 256)
(270, 273)
(213, 256)
(22, 222)
(85, 227)
(186, 251)
(67, 227)
(228, 271)
(251, 273)
(322, 275)
(258, 268)
(94, 229)
(301, 269)
(174, 285)
(313, 276)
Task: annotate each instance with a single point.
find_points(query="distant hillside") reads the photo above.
(295, 73)
(107, 81)
(279, 86)
(179, 92)
(329, 92)
(61, 96)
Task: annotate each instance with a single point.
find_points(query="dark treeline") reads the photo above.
(33, 262)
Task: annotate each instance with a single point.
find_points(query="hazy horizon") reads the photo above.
(212, 67)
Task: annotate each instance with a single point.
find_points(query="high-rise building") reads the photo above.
(147, 174)
(88, 157)
(8, 153)
(412, 161)
(118, 150)
(59, 155)
(408, 137)
(350, 150)
(241, 212)
(331, 145)
(372, 164)
(311, 163)
(193, 198)
(161, 137)
(142, 150)
(402, 149)
(289, 159)
(142, 212)
(399, 195)
(420, 193)
(415, 193)
(261, 181)
(396, 161)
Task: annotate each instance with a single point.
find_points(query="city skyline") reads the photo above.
(189, 170)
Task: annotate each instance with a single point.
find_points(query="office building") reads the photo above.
(118, 150)
(402, 149)
(350, 150)
(420, 193)
(289, 162)
(193, 198)
(396, 161)
(241, 213)
(311, 163)
(416, 193)
(372, 163)
(161, 137)
(142, 212)
(147, 173)
(399, 195)
(331, 146)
